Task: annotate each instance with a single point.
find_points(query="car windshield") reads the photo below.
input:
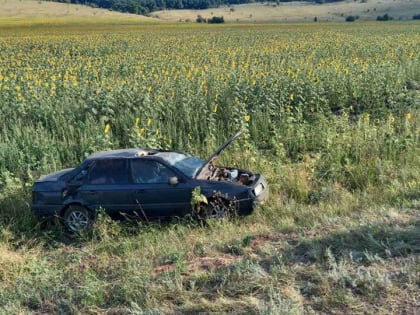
(187, 164)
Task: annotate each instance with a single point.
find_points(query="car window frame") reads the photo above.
(160, 161)
(86, 180)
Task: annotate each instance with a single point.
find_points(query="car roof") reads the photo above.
(122, 153)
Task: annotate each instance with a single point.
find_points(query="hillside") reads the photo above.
(253, 12)
(300, 12)
(45, 9)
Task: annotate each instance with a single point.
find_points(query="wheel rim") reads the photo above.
(218, 211)
(77, 221)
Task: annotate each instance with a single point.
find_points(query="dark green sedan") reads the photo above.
(149, 183)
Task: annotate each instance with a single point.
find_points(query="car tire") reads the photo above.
(217, 209)
(77, 218)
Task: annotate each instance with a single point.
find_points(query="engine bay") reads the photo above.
(235, 175)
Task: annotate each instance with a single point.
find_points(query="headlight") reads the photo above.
(258, 189)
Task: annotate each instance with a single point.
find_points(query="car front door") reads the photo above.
(153, 194)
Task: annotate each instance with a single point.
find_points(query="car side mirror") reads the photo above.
(173, 180)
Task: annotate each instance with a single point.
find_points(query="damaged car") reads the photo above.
(153, 184)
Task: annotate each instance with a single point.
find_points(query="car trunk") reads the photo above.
(48, 188)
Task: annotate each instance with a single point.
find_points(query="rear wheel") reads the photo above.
(77, 218)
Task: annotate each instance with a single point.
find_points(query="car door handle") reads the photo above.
(91, 192)
(140, 191)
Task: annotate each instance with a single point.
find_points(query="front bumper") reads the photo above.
(246, 206)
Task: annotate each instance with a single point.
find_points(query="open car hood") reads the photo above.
(201, 173)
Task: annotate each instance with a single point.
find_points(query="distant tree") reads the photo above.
(315, 19)
(216, 20)
(350, 18)
(384, 17)
(416, 17)
(174, 4)
(200, 19)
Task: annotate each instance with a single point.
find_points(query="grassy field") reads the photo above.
(331, 118)
(300, 12)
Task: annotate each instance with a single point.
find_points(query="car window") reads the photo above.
(108, 172)
(188, 164)
(148, 171)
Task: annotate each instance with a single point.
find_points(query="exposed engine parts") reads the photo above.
(231, 175)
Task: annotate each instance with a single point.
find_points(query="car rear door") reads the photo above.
(107, 186)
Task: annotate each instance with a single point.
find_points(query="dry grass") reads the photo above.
(300, 12)
(354, 264)
(45, 9)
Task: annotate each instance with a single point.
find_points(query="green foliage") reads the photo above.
(216, 20)
(351, 18)
(146, 97)
(197, 199)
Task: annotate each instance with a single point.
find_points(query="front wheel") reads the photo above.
(77, 218)
(217, 209)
